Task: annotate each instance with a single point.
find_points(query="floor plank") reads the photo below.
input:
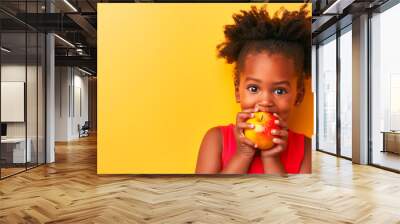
(70, 191)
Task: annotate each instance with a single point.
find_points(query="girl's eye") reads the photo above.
(252, 89)
(280, 91)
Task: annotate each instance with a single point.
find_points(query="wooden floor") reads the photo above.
(10, 171)
(388, 159)
(69, 191)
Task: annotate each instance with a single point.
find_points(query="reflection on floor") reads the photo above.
(387, 159)
(11, 169)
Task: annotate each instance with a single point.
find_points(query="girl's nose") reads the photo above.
(266, 101)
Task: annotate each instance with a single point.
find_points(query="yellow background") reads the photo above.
(161, 86)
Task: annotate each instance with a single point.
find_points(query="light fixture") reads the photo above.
(80, 51)
(5, 50)
(70, 5)
(64, 40)
(84, 71)
(337, 7)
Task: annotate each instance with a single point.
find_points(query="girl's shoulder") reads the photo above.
(210, 149)
(299, 136)
(295, 133)
(227, 127)
(218, 132)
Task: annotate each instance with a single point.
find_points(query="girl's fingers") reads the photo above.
(282, 124)
(247, 141)
(256, 108)
(280, 146)
(243, 116)
(279, 141)
(282, 133)
(274, 151)
(243, 125)
(250, 110)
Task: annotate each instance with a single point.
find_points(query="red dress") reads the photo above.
(291, 158)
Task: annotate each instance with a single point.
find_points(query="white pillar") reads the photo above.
(360, 90)
(314, 92)
(50, 93)
(50, 99)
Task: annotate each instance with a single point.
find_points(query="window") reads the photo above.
(385, 89)
(327, 96)
(346, 74)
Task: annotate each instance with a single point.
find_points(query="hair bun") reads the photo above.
(258, 25)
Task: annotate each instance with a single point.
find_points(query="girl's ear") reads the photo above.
(237, 96)
(299, 96)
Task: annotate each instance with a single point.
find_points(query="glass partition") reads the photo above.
(41, 107)
(22, 88)
(346, 92)
(14, 153)
(32, 95)
(326, 108)
(385, 89)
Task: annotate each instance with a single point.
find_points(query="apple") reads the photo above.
(261, 133)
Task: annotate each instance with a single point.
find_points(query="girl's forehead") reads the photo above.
(268, 66)
(268, 60)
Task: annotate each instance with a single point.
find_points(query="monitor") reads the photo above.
(3, 129)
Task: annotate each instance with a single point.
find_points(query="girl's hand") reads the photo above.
(245, 147)
(280, 139)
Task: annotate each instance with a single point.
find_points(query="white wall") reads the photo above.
(33, 127)
(71, 87)
(62, 81)
(12, 73)
(81, 103)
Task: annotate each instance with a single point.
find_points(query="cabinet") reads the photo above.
(391, 141)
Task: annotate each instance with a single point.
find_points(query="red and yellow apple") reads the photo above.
(261, 133)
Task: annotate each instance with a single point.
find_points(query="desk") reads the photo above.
(16, 147)
(391, 141)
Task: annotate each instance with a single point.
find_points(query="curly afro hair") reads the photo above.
(287, 33)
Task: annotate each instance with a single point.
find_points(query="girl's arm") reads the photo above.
(271, 157)
(273, 165)
(306, 164)
(209, 159)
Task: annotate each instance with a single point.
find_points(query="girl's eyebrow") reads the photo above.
(281, 83)
(275, 83)
(253, 79)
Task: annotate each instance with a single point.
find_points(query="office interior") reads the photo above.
(356, 81)
(48, 80)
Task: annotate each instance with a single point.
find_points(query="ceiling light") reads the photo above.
(337, 7)
(84, 71)
(70, 5)
(5, 50)
(64, 40)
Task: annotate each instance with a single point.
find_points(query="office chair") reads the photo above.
(84, 130)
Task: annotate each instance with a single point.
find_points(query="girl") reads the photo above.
(272, 57)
